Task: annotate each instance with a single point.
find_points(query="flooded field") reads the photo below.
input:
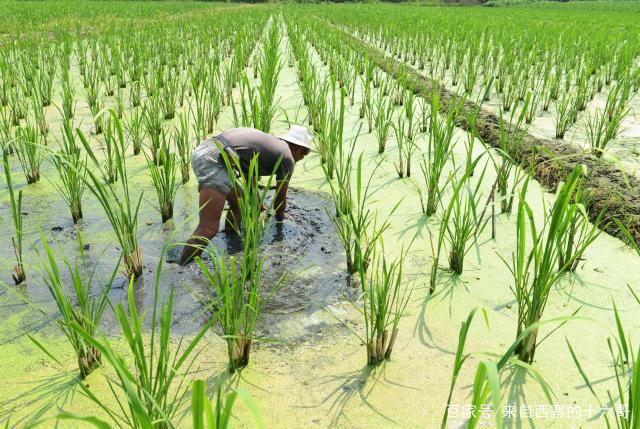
(325, 306)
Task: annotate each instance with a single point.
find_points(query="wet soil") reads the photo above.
(550, 161)
(296, 280)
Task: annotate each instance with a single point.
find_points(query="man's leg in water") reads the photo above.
(233, 219)
(211, 205)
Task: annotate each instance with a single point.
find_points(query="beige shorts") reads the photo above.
(209, 170)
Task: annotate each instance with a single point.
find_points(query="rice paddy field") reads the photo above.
(461, 248)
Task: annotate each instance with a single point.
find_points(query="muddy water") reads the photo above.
(312, 372)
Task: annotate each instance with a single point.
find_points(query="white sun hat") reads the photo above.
(300, 136)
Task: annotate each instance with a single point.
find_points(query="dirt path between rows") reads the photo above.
(549, 161)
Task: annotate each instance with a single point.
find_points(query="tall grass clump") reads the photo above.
(121, 209)
(83, 307)
(235, 288)
(384, 302)
(356, 222)
(512, 132)
(71, 167)
(165, 181)
(438, 153)
(29, 152)
(534, 263)
(19, 275)
(151, 394)
(461, 224)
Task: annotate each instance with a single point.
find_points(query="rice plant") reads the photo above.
(84, 307)
(580, 232)
(383, 122)
(165, 181)
(384, 303)
(152, 393)
(512, 133)
(235, 290)
(406, 146)
(461, 223)
(183, 147)
(30, 153)
(71, 167)
(121, 210)
(136, 129)
(19, 275)
(601, 129)
(355, 221)
(534, 267)
(438, 153)
(565, 114)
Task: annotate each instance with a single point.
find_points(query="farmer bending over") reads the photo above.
(214, 183)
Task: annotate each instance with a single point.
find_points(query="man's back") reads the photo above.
(246, 142)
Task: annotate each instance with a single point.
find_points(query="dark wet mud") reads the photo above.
(303, 273)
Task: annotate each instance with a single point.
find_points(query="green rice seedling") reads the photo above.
(237, 304)
(580, 232)
(534, 269)
(236, 289)
(564, 115)
(406, 147)
(425, 114)
(269, 66)
(165, 182)
(213, 100)
(135, 94)
(409, 111)
(71, 167)
(136, 129)
(462, 222)
(596, 127)
(152, 393)
(109, 165)
(43, 79)
(383, 122)
(183, 146)
(81, 308)
(512, 133)
(334, 130)
(460, 359)
(39, 117)
(625, 365)
(29, 152)
(118, 103)
(68, 97)
(17, 106)
(168, 97)
(19, 275)
(355, 221)
(122, 211)
(153, 126)
(439, 151)
(218, 416)
(199, 114)
(7, 142)
(384, 304)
